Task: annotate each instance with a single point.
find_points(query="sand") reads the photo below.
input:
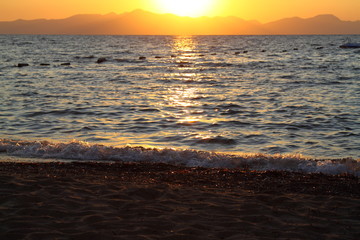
(159, 201)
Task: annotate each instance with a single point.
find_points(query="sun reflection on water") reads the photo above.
(184, 44)
(185, 101)
(182, 96)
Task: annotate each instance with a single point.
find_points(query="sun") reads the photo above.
(189, 8)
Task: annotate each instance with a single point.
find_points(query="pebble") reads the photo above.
(101, 60)
(22, 65)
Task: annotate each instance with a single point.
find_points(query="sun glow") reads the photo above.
(190, 8)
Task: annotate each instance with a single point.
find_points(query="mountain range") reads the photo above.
(141, 22)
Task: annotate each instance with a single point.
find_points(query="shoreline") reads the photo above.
(161, 201)
(146, 173)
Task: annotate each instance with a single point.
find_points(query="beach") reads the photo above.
(94, 200)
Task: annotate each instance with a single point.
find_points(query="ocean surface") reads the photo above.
(285, 102)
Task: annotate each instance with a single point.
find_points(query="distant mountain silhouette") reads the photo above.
(322, 24)
(140, 22)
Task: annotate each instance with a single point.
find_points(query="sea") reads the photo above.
(289, 103)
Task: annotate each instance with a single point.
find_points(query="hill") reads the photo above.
(141, 22)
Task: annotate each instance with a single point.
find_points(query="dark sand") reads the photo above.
(159, 201)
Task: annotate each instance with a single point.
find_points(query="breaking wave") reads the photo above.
(78, 150)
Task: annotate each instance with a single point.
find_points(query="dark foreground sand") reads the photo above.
(158, 201)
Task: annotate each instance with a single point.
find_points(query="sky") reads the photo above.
(261, 10)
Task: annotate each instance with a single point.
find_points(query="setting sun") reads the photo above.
(188, 8)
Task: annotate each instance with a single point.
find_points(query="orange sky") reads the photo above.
(261, 10)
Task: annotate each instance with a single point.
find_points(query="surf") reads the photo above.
(84, 151)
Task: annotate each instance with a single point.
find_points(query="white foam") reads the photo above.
(77, 150)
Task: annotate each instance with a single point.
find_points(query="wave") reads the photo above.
(217, 140)
(78, 150)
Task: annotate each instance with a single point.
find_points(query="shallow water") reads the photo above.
(253, 94)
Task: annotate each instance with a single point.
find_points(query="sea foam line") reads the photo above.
(78, 150)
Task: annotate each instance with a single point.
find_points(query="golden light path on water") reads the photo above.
(185, 96)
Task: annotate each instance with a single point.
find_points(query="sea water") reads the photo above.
(212, 96)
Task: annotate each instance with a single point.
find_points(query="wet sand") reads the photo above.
(159, 201)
